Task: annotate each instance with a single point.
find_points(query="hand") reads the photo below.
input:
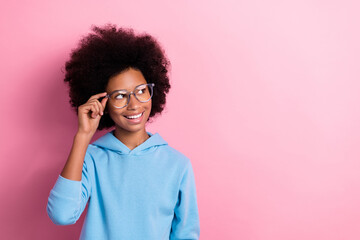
(89, 114)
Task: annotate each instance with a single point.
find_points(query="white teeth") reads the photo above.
(135, 116)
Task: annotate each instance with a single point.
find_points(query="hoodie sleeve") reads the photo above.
(68, 198)
(186, 224)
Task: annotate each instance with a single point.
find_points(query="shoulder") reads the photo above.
(93, 152)
(93, 149)
(177, 157)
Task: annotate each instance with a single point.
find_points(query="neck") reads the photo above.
(131, 139)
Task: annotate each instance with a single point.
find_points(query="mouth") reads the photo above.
(135, 116)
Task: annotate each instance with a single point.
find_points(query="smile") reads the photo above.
(134, 116)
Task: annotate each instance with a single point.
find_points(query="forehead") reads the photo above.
(127, 80)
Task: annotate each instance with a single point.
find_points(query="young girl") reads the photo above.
(135, 184)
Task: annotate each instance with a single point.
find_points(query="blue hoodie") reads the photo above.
(147, 193)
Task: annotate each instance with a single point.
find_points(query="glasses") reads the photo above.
(121, 98)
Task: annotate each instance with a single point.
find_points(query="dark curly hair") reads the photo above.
(109, 51)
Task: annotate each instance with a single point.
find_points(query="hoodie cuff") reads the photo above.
(67, 188)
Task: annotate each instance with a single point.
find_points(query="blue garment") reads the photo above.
(147, 193)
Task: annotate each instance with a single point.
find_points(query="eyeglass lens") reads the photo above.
(143, 93)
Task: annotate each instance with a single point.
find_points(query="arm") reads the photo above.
(68, 198)
(72, 189)
(186, 223)
(74, 164)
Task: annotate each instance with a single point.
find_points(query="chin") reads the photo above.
(124, 126)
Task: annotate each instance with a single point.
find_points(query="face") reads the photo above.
(128, 80)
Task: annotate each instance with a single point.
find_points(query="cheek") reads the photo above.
(111, 115)
(149, 105)
(114, 112)
(148, 110)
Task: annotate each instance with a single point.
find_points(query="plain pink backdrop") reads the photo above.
(264, 101)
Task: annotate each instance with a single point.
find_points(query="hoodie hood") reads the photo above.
(110, 142)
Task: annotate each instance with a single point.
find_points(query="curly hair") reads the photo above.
(109, 51)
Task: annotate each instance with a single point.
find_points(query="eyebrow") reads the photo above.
(127, 90)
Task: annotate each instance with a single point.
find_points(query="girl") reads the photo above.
(135, 184)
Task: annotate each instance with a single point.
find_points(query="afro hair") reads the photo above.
(109, 51)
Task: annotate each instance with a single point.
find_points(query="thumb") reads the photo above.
(104, 101)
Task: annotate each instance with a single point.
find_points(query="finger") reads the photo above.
(99, 95)
(103, 102)
(93, 111)
(85, 108)
(100, 107)
(96, 106)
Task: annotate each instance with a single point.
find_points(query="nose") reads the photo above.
(133, 102)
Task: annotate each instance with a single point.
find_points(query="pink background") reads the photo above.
(264, 101)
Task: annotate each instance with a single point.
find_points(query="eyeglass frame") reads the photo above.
(151, 85)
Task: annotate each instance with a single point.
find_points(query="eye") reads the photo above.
(141, 90)
(119, 96)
